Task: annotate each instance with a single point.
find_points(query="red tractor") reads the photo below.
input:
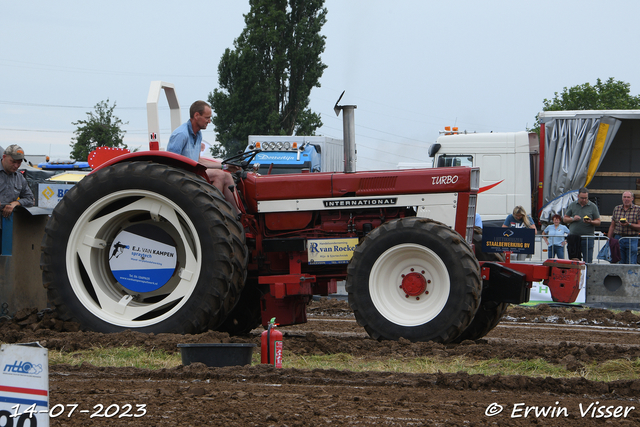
(145, 243)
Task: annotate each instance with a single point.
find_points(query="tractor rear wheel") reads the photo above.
(490, 312)
(414, 278)
(146, 247)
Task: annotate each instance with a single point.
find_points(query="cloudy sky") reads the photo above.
(411, 66)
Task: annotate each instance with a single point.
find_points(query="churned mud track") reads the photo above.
(263, 396)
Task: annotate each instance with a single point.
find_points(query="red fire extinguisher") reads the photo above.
(271, 345)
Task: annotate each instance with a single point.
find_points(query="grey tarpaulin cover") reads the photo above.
(575, 144)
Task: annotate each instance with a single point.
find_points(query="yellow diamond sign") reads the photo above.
(48, 193)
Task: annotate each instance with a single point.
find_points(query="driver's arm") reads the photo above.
(211, 164)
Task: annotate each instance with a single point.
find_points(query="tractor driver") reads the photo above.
(186, 140)
(14, 190)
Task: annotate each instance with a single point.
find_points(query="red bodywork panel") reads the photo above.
(339, 184)
(287, 220)
(540, 182)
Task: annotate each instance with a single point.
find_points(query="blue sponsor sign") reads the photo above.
(516, 240)
(141, 264)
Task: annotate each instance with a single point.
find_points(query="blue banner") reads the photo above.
(516, 240)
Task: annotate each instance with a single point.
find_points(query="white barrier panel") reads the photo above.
(542, 294)
(24, 385)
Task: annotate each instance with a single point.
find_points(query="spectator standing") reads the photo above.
(555, 241)
(478, 221)
(519, 219)
(583, 217)
(625, 225)
(14, 190)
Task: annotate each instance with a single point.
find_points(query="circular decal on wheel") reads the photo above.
(142, 260)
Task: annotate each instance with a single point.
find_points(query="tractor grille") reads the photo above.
(375, 184)
(471, 217)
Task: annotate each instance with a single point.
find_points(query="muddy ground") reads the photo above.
(260, 395)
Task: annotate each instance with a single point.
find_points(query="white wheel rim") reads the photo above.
(88, 249)
(391, 300)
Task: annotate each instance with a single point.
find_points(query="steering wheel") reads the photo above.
(241, 160)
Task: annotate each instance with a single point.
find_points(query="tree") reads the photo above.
(101, 129)
(266, 80)
(610, 95)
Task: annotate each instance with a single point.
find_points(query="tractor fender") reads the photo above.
(168, 158)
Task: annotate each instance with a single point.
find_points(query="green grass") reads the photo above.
(619, 369)
(120, 357)
(611, 370)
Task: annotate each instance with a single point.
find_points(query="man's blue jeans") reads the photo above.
(556, 250)
(628, 249)
(587, 249)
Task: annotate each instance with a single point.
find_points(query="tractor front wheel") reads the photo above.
(414, 278)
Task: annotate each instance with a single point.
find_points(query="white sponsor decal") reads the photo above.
(361, 202)
(443, 180)
(267, 156)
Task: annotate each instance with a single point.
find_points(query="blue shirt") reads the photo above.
(478, 222)
(184, 141)
(556, 235)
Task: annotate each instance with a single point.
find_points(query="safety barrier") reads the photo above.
(542, 249)
(600, 239)
(613, 285)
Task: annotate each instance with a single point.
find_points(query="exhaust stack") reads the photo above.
(348, 133)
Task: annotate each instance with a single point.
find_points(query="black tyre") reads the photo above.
(239, 260)
(490, 312)
(146, 247)
(414, 278)
(247, 314)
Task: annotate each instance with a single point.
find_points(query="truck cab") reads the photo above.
(506, 161)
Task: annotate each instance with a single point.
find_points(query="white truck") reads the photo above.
(505, 172)
(589, 148)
